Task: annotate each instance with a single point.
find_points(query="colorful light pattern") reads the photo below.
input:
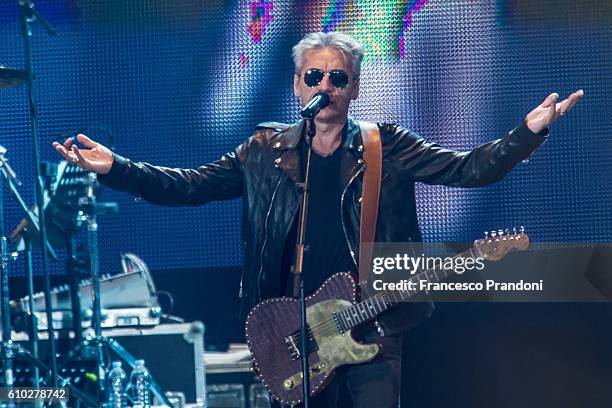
(261, 12)
(244, 60)
(375, 23)
(336, 12)
(413, 7)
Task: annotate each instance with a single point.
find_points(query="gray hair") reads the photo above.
(346, 44)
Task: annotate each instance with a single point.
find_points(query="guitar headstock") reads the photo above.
(496, 244)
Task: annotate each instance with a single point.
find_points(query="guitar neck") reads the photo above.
(371, 307)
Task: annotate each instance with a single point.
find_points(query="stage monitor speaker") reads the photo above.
(172, 353)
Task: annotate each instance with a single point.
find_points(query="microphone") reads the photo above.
(318, 102)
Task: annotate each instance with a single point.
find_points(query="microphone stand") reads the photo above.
(28, 14)
(298, 281)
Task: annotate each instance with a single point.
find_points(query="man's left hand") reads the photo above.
(550, 110)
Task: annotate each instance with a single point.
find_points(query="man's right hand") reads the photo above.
(97, 158)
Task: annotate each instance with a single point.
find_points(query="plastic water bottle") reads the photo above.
(140, 380)
(116, 386)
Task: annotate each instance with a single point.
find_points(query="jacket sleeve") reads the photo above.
(488, 163)
(219, 180)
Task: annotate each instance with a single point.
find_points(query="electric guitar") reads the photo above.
(273, 326)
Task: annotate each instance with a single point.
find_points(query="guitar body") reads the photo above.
(273, 326)
(272, 332)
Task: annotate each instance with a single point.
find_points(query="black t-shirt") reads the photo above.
(327, 251)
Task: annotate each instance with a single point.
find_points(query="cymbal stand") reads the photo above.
(28, 15)
(33, 320)
(89, 214)
(8, 347)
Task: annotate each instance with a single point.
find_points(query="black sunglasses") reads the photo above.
(337, 77)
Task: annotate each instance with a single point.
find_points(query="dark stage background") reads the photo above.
(179, 83)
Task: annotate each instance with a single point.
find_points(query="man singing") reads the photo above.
(265, 169)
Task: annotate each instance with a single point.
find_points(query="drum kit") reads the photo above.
(67, 196)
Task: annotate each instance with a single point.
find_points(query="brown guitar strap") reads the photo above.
(370, 134)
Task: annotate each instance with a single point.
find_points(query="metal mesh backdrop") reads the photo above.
(179, 82)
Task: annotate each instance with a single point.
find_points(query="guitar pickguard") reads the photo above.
(272, 330)
(335, 349)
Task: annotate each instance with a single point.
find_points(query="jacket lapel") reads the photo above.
(289, 159)
(352, 158)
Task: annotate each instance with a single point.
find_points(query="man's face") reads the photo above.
(327, 60)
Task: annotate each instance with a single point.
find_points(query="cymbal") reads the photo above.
(11, 77)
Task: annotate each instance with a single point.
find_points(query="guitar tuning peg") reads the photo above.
(514, 230)
(500, 232)
(486, 234)
(493, 234)
(507, 231)
(522, 229)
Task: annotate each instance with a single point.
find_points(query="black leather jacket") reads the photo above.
(264, 171)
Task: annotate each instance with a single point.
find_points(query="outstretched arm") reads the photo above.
(220, 180)
(487, 163)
